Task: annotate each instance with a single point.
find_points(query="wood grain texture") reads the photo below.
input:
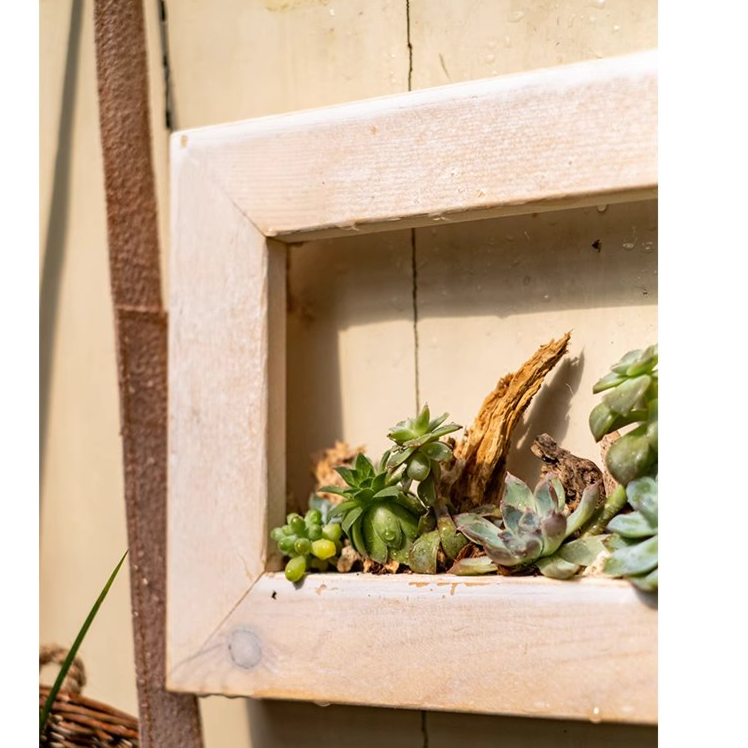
(426, 645)
(573, 135)
(226, 405)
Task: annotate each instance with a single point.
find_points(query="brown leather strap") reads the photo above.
(166, 720)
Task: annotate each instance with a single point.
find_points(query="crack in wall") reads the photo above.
(413, 257)
(169, 112)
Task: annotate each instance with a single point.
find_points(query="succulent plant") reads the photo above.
(307, 543)
(418, 453)
(631, 387)
(634, 540)
(533, 525)
(435, 533)
(379, 517)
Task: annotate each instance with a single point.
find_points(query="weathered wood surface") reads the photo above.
(569, 136)
(498, 645)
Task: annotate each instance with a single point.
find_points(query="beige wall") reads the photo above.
(353, 352)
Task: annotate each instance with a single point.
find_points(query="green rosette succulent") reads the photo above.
(420, 452)
(377, 515)
(533, 525)
(633, 544)
(307, 542)
(631, 398)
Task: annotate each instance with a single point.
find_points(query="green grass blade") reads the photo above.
(45, 710)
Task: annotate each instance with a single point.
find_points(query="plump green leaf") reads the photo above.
(511, 516)
(553, 529)
(517, 494)
(630, 456)
(628, 395)
(357, 537)
(410, 502)
(350, 517)
(556, 567)
(432, 436)
(399, 456)
(348, 475)
(585, 509)
(335, 489)
(422, 421)
(635, 559)
(419, 467)
(423, 553)
(437, 451)
(601, 421)
(609, 380)
(478, 529)
(389, 492)
(436, 422)
(364, 465)
(408, 522)
(645, 362)
(646, 582)
(546, 498)
(642, 495)
(515, 551)
(583, 551)
(632, 525)
(426, 523)
(401, 433)
(427, 491)
(622, 366)
(452, 541)
(341, 508)
(376, 548)
(473, 566)
(386, 524)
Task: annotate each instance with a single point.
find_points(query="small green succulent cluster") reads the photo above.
(634, 540)
(379, 512)
(531, 529)
(632, 392)
(435, 535)
(308, 543)
(631, 397)
(418, 451)
(378, 516)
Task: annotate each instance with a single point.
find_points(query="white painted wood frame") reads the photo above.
(578, 135)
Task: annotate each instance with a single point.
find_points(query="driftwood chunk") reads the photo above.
(349, 560)
(606, 443)
(477, 473)
(575, 473)
(374, 567)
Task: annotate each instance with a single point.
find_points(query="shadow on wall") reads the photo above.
(488, 293)
(275, 723)
(54, 250)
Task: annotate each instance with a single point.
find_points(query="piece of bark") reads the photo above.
(349, 559)
(374, 567)
(609, 482)
(323, 466)
(476, 475)
(575, 473)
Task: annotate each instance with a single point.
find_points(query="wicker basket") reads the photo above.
(78, 722)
